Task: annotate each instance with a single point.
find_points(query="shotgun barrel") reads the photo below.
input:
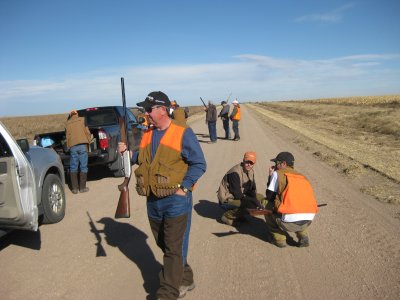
(123, 208)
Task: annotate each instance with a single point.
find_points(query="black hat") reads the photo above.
(155, 98)
(284, 156)
(223, 102)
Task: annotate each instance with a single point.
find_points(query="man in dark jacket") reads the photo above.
(211, 119)
(224, 115)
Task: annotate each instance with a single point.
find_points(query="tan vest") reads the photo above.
(166, 171)
(179, 115)
(223, 192)
(76, 131)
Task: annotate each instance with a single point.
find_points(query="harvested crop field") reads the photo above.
(360, 136)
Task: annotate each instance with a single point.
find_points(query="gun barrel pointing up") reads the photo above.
(203, 102)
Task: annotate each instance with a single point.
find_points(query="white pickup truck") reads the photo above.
(31, 185)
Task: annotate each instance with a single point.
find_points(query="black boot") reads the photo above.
(74, 182)
(82, 183)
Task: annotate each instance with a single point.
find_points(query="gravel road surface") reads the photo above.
(354, 251)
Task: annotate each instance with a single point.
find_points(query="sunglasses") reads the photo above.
(150, 109)
(277, 162)
(249, 162)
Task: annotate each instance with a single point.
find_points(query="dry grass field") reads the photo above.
(360, 136)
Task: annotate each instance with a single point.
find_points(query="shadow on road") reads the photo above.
(22, 238)
(252, 226)
(98, 173)
(132, 243)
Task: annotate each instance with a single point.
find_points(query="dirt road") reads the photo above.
(354, 251)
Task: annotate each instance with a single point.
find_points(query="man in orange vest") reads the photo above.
(235, 118)
(170, 162)
(291, 198)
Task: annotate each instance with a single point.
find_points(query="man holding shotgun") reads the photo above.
(170, 163)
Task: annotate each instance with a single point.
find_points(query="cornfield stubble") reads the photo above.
(359, 136)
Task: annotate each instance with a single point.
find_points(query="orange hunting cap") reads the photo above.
(250, 156)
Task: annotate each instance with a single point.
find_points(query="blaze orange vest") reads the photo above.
(298, 196)
(236, 117)
(161, 175)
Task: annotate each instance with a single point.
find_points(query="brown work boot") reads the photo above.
(279, 244)
(82, 183)
(183, 289)
(74, 182)
(304, 241)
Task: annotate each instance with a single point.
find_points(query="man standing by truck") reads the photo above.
(78, 140)
(168, 190)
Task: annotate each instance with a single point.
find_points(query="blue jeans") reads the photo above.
(78, 158)
(225, 123)
(212, 129)
(235, 127)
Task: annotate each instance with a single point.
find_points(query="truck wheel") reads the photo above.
(53, 199)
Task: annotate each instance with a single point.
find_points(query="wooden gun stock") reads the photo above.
(124, 204)
(261, 212)
(258, 212)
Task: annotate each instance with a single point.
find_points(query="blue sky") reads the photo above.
(58, 55)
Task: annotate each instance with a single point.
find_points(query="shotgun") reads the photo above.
(123, 208)
(203, 102)
(100, 250)
(227, 100)
(261, 211)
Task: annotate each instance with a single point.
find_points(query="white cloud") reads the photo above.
(329, 17)
(248, 77)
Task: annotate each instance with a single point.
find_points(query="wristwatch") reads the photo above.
(185, 190)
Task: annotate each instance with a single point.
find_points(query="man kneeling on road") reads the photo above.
(238, 191)
(291, 198)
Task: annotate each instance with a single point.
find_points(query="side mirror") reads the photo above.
(23, 144)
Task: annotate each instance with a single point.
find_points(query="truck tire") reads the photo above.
(53, 199)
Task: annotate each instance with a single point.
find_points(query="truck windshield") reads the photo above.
(99, 117)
